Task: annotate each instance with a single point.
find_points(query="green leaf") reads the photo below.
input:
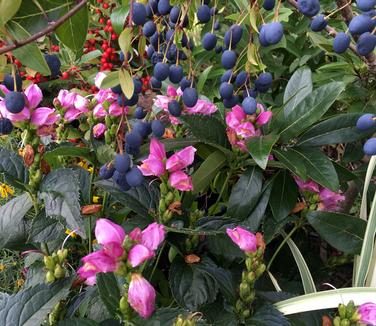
(191, 284)
(207, 129)
(125, 39)
(310, 109)
(105, 154)
(11, 164)
(268, 315)
(207, 171)
(12, 223)
(202, 79)
(126, 83)
(30, 306)
(291, 161)
(298, 87)
(45, 229)
(260, 148)
(163, 316)
(284, 195)
(343, 232)
(319, 167)
(305, 274)
(111, 80)
(78, 322)
(140, 200)
(118, 17)
(60, 192)
(109, 291)
(68, 149)
(8, 9)
(338, 129)
(74, 31)
(326, 299)
(29, 54)
(245, 194)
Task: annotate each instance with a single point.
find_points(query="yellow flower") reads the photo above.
(2, 267)
(5, 190)
(96, 199)
(86, 166)
(20, 282)
(72, 234)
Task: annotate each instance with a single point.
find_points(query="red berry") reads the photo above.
(108, 22)
(65, 75)
(105, 6)
(114, 36)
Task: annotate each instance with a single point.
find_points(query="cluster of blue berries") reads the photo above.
(361, 26)
(365, 123)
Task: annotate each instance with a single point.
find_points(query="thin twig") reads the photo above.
(52, 26)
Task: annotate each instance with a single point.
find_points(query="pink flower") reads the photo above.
(34, 95)
(116, 110)
(308, 185)
(246, 240)
(14, 117)
(245, 130)
(235, 116)
(181, 159)
(136, 234)
(99, 111)
(162, 101)
(153, 236)
(152, 166)
(138, 254)
(202, 107)
(81, 103)
(264, 118)
(141, 296)
(96, 262)
(66, 99)
(329, 200)
(367, 312)
(107, 232)
(44, 117)
(181, 181)
(99, 129)
(172, 92)
(157, 149)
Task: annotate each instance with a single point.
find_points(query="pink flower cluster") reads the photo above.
(329, 200)
(158, 165)
(202, 106)
(37, 116)
(111, 237)
(367, 312)
(141, 295)
(106, 101)
(241, 126)
(73, 104)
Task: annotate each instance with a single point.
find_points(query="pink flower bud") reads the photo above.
(329, 200)
(138, 254)
(367, 312)
(99, 129)
(181, 181)
(181, 159)
(308, 185)
(136, 234)
(153, 236)
(245, 240)
(171, 91)
(66, 98)
(107, 232)
(141, 296)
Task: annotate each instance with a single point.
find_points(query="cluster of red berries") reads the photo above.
(145, 83)
(37, 78)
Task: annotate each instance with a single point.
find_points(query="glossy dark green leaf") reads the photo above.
(191, 284)
(202, 79)
(73, 32)
(68, 149)
(78, 322)
(337, 129)
(29, 54)
(162, 316)
(12, 223)
(284, 195)
(268, 315)
(298, 87)
(60, 193)
(140, 199)
(118, 17)
(310, 109)
(8, 9)
(260, 148)
(29, 307)
(207, 129)
(245, 194)
(319, 167)
(343, 232)
(13, 168)
(109, 291)
(291, 161)
(45, 229)
(207, 171)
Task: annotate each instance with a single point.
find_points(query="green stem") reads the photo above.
(281, 245)
(214, 207)
(90, 245)
(157, 261)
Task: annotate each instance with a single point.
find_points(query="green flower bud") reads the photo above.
(59, 271)
(342, 311)
(345, 322)
(50, 277)
(123, 305)
(246, 313)
(107, 137)
(248, 263)
(163, 188)
(260, 270)
(337, 321)
(251, 277)
(169, 198)
(49, 262)
(162, 205)
(62, 254)
(243, 289)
